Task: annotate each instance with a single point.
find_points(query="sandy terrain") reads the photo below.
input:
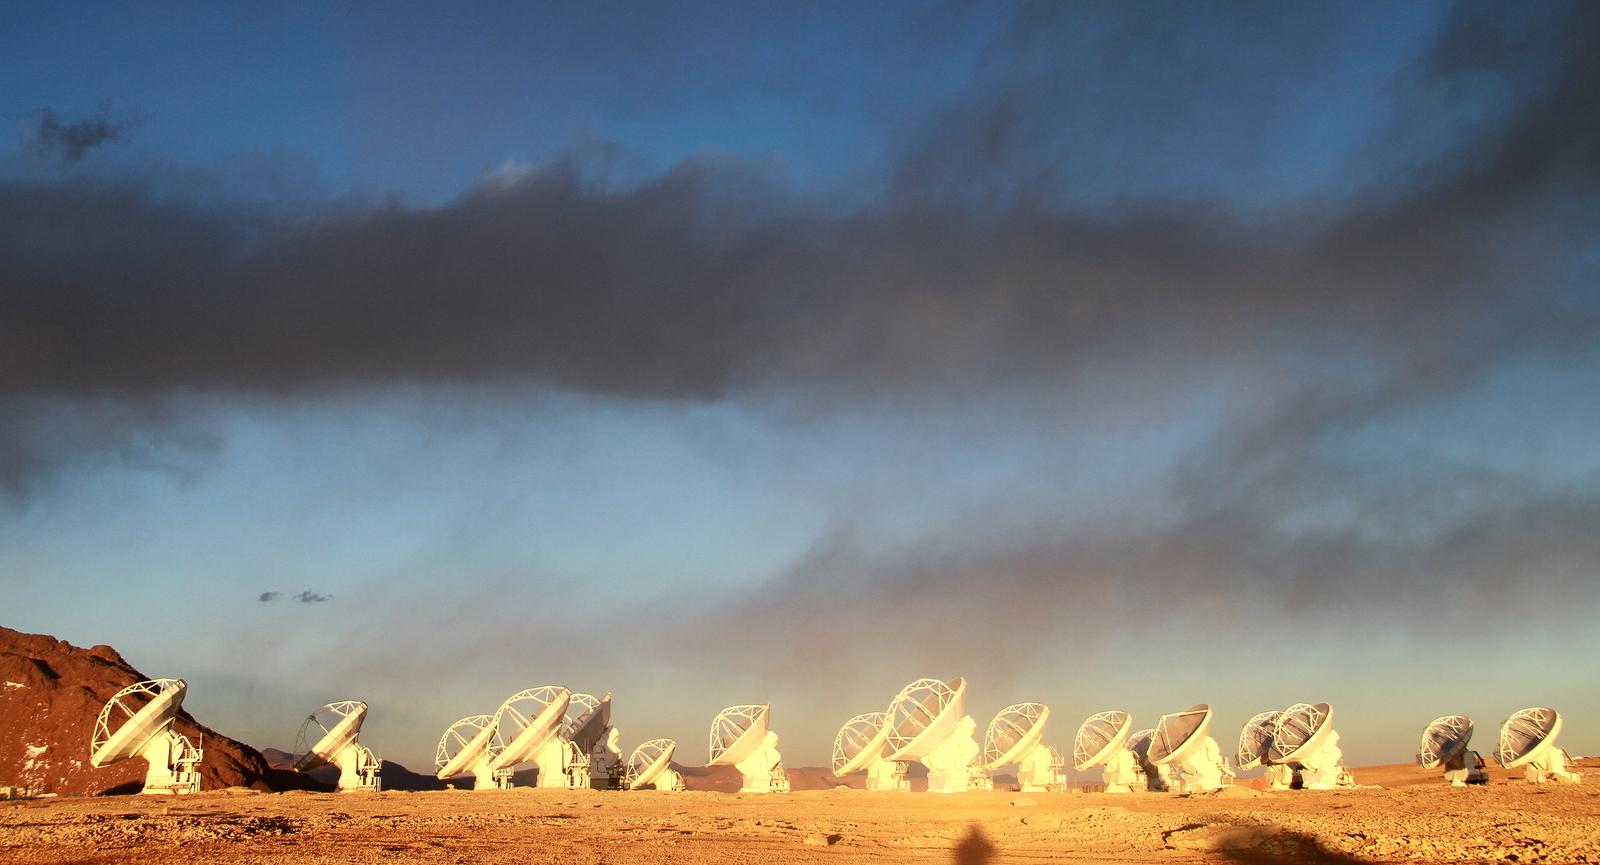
(1512, 822)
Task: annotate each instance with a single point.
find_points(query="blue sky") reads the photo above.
(1109, 355)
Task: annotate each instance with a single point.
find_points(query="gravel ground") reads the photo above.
(1511, 822)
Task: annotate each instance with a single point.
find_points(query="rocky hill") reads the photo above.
(51, 693)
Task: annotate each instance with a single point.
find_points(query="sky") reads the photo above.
(1108, 355)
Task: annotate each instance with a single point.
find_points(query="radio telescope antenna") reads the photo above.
(928, 723)
(1183, 739)
(1014, 737)
(469, 747)
(1304, 734)
(650, 765)
(1155, 779)
(530, 723)
(1100, 742)
(587, 726)
(1528, 739)
(331, 733)
(1255, 744)
(587, 720)
(1444, 743)
(137, 722)
(740, 738)
(860, 745)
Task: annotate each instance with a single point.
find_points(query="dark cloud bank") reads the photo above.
(709, 283)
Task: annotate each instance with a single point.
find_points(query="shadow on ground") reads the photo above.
(1289, 848)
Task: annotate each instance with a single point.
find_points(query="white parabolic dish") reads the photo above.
(535, 716)
(1139, 744)
(336, 738)
(1526, 735)
(585, 728)
(1099, 738)
(737, 732)
(648, 761)
(860, 741)
(1255, 740)
(465, 743)
(1179, 735)
(923, 716)
(149, 721)
(1013, 733)
(1301, 730)
(1443, 740)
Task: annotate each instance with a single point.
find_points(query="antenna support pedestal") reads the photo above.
(358, 770)
(1551, 766)
(1206, 769)
(1036, 773)
(759, 770)
(174, 765)
(670, 781)
(606, 768)
(950, 764)
(1323, 769)
(1280, 776)
(552, 760)
(1119, 774)
(886, 776)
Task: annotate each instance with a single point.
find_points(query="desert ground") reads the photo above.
(1508, 821)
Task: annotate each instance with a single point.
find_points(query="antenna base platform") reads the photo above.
(1205, 769)
(887, 777)
(1550, 766)
(1465, 768)
(1280, 776)
(553, 760)
(1323, 768)
(762, 771)
(606, 767)
(358, 770)
(174, 765)
(1120, 773)
(950, 764)
(1038, 772)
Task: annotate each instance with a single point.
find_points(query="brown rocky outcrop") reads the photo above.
(51, 693)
